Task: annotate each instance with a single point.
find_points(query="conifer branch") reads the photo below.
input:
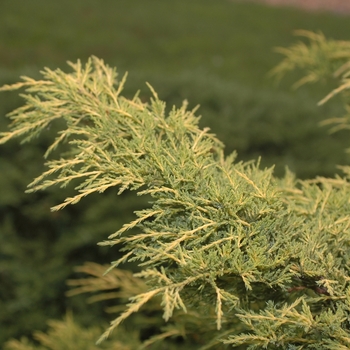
(320, 59)
(218, 233)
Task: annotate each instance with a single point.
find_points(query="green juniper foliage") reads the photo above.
(227, 254)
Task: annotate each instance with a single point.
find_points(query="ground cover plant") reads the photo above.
(228, 255)
(229, 54)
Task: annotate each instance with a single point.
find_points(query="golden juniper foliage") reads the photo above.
(229, 254)
(320, 60)
(67, 335)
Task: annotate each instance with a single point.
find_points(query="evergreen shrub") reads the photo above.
(227, 254)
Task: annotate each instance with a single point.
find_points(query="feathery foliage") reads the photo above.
(67, 335)
(321, 59)
(228, 255)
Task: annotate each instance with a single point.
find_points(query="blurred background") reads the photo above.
(215, 53)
